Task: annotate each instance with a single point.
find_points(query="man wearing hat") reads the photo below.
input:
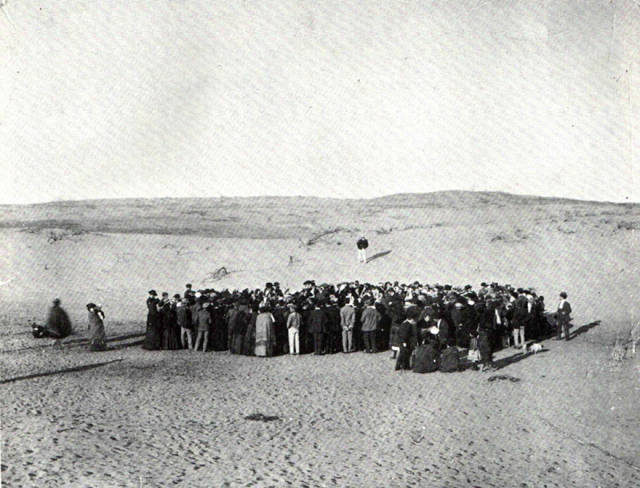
(317, 327)
(183, 317)
(563, 317)
(189, 293)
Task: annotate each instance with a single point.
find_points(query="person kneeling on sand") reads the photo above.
(97, 340)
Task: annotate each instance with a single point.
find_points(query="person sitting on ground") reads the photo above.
(58, 324)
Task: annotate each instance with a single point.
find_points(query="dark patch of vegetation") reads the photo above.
(624, 225)
(504, 377)
(260, 417)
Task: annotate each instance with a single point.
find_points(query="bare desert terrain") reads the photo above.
(128, 417)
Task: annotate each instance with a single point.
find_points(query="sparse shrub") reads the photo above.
(625, 344)
(216, 275)
(624, 225)
(317, 237)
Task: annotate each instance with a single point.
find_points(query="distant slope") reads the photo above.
(279, 217)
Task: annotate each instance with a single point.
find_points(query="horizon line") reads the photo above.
(316, 197)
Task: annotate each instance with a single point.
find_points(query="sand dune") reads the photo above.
(174, 418)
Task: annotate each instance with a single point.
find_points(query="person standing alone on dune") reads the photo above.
(362, 246)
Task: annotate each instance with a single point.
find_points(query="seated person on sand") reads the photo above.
(58, 324)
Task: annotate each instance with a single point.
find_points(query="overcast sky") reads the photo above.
(347, 98)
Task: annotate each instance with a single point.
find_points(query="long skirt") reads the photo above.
(249, 342)
(404, 358)
(237, 340)
(97, 341)
(153, 336)
(171, 337)
(218, 339)
(484, 346)
(265, 340)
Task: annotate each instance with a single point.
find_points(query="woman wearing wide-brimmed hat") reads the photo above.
(153, 336)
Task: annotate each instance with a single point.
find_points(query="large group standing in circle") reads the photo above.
(424, 325)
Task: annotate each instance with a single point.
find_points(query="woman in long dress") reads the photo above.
(153, 336)
(97, 338)
(249, 342)
(265, 333)
(170, 330)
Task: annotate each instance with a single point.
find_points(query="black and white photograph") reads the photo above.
(308, 244)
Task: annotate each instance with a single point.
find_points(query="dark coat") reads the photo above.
(58, 323)
(317, 323)
(408, 334)
(183, 316)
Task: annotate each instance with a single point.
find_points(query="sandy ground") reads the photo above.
(178, 419)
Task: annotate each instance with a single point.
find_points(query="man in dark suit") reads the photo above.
(318, 327)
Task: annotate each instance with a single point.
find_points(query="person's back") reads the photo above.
(370, 319)
(347, 316)
(449, 360)
(58, 324)
(426, 358)
(317, 321)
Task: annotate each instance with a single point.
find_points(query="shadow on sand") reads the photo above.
(582, 329)
(83, 367)
(378, 255)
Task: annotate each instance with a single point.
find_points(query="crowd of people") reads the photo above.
(425, 326)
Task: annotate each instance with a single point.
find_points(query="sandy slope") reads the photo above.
(173, 418)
